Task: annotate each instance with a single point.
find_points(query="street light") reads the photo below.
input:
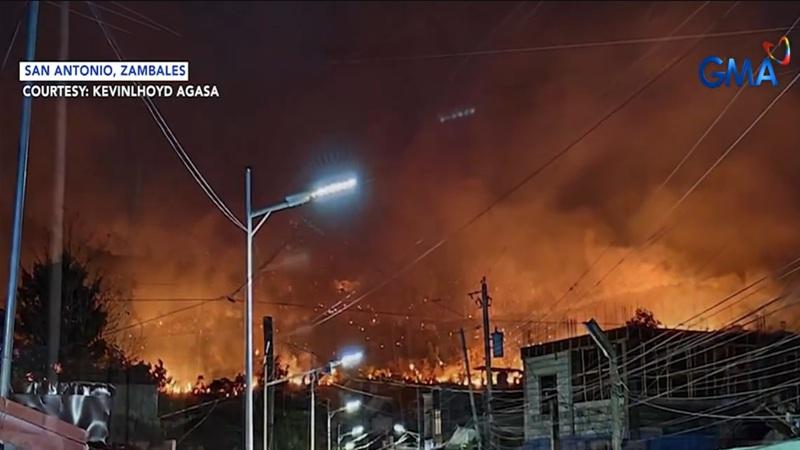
(312, 373)
(349, 407)
(290, 201)
(352, 406)
(347, 360)
(617, 393)
(357, 432)
(401, 431)
(350, 446)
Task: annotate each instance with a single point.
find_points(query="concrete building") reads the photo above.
(683, 389)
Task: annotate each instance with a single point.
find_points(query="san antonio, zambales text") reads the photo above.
(155, 90)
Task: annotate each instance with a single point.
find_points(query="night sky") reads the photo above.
(313, 90)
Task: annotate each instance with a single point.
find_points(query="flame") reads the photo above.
(423, 372)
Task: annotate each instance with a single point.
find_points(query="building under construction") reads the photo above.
(678, 389)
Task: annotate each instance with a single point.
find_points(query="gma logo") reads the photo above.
(714, 72)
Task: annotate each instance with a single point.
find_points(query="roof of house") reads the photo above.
(639, 333)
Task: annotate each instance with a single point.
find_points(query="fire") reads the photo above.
(178, 389)
(443, 373)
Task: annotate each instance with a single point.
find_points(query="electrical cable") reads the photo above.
(171, 138)
(572, 46)
(148, 22)
(522, 182)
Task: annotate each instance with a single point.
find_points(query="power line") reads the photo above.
(679, 202)
(660, 232)
(732, 146)
(171, 138)
(14, 35)
(88, 17)
(141, 20)
(147, 18)
(506, 194)
(573, 46)
(664, 228)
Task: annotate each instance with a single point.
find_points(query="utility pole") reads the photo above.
(269, 375)
(617, 394)
(484, 302)
(248, 317)
(469, 385)
(330, 419)
(555, 431)
(420, 420)
(19, 207)
(57, 228)
(617, 402)
(313, 411)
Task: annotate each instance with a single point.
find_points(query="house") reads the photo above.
(681, 389)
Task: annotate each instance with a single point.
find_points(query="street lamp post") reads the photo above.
(401, 431)
(288, 202)
(357, 432)
(347, 360)
(350, 407)
(617, 394)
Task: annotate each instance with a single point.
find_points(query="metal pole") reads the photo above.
(268, 376)
(469, 384)
(488, 358)
(265, 396)
(420, 423)
(57, 228)
(19, 206)
(616, 404)
(555, 431)
(617, 394)
(313, 411)
(330, 416)
(248, 317)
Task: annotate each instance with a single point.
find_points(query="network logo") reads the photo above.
(715, 71)
(769, 49)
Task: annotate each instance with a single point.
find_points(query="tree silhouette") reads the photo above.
(643, 318)
(84, 317)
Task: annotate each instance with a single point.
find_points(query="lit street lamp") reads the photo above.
(357, 432)
(401, 431)
(290, 201)
(352, 359)
(347, 361)
(349, 407)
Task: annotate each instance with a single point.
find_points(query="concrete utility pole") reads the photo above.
(469, 385)
(484, 302)
(269, 375)
(420, 420)
(313, 411)
(617, 394)
(57, 228)
(555, 431)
